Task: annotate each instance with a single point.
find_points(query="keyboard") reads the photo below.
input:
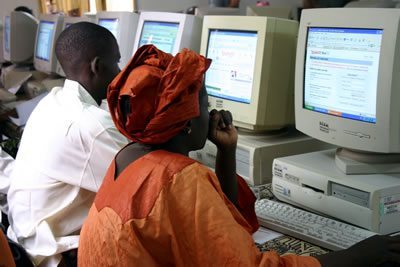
(307, 226)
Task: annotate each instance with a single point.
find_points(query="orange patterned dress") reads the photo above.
(166, 209)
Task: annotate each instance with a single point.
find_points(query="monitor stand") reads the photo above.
(256, 152)
(360, 162)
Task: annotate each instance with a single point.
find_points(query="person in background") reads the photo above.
(24, 9)
(158, 207)
(233, 3)
(324, 3)
(65, 149)
(6, 166)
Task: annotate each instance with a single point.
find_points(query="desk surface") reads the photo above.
(286, 244)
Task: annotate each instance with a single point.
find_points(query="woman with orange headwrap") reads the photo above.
(156, 206)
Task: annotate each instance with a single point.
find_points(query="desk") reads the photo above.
(286, 244)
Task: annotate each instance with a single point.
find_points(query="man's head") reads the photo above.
(24, 9)
(89, 54)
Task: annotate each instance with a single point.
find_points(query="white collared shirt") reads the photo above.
(6, 166)
(66, 148)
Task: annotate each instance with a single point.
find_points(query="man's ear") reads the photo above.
(95, 65)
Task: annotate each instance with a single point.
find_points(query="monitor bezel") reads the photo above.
(165, 22)
(21, 37)
(186, 24)
(225, 97)
(40, 64)
(256, 116)
(245, 115)
(381, 137)
(52, 46)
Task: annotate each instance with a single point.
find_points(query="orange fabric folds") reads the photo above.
(173, 83)
(165, 209)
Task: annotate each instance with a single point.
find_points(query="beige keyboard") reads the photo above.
(307, 226)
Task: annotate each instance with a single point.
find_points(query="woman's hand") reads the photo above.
(221, 130)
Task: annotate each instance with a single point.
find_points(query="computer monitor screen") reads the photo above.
(50, 27)
(169, 32)
(161, 34)
(111, 25)
(346, 88)
(45, 40)
(251, 73)
(7, 34)
(233, 55)
(340, 82)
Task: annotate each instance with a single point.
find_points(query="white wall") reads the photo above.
(119, 5)
(6, 6)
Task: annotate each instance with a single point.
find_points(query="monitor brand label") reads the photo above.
(390, 204)
(219, 103)
(324, 127)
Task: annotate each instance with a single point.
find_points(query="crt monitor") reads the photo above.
(50, 27)
(169, 32)
(68, 21)
(19, 35)
(347, 84)
(123, 26)
(252, 69)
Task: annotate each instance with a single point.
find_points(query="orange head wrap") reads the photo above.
(160, 91)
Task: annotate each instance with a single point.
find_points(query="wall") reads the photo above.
(119, 5)
(168, 5)
(6, 6)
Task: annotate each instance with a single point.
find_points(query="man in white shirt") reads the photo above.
(6, 166)
(67, 145)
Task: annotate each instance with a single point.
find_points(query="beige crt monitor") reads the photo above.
(252, 70)
(347, 86)
(50, 27)
(19, 37)
(123, 25)
(169, 32)
(68, 21)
